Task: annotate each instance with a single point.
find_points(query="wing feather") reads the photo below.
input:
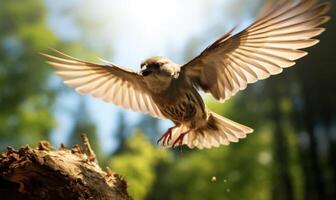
(108, 82)
(271, 43)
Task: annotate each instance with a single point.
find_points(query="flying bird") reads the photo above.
(167, 90)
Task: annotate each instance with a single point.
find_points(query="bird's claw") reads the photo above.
(166, 137)
(179, 139)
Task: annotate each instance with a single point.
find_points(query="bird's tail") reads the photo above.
(217, 131)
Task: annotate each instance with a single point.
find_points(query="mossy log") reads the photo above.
(45, 173)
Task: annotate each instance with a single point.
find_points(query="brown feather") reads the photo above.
(262, 49)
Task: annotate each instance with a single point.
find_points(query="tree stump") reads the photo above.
(44, 173)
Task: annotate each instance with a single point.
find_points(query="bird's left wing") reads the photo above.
(108, 82)
(263, 49)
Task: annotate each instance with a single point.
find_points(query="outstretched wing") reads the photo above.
(108, 82)
(263, 49)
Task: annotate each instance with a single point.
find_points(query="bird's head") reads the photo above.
(158, 67)
(158, 72)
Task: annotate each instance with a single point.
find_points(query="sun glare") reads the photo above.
(150, 27)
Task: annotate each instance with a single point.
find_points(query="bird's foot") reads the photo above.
(179, 139)
(166, 137)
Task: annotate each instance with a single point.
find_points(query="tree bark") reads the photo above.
(44, 173)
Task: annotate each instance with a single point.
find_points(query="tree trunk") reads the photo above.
(44, 173)
(282, 187)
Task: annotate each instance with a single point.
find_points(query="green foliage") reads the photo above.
(234, 169)
(137, 164)
(242, 170)
(25, 97)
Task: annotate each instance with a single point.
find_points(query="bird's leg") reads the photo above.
(179, 139)
(166, 135)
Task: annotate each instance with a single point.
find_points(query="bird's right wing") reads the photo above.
(108, 82)
(271, 43)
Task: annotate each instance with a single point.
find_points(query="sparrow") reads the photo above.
(167, 90)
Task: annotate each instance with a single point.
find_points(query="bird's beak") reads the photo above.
(143, 67)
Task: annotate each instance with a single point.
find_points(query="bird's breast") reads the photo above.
(184, 107)
(157, 84)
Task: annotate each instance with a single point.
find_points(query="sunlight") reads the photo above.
(150, 27)
(153, 27)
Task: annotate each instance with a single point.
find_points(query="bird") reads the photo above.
(166, 90)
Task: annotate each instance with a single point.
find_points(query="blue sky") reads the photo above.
(135, 30)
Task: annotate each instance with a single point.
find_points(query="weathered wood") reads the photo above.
(44, 173)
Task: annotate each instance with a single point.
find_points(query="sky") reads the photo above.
(135, 30)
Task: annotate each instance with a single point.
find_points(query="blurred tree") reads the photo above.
(122, 132)
(26, 98)
(146, 124)
(137, 162)
(283, 186)
(83, 124)
(315, 107)
(242, 170)
(150, 126)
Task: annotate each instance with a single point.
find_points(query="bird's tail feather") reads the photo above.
(218, 131)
